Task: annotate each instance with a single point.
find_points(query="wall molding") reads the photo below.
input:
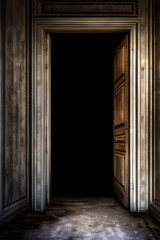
(155, 211)
(13, 211)
(40, 30)
(86, 8)
(155, 163)
(1, 103)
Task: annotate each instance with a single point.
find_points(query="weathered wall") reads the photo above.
(155, 206)
(14, 111)
(14, 84)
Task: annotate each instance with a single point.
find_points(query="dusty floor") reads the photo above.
(80, 218)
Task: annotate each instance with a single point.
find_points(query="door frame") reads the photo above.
(140, 97)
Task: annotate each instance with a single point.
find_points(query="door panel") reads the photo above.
(120, 126)
(119, 167)
(119, 109)
(119, 64)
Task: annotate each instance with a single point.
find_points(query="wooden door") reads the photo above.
(121, 120)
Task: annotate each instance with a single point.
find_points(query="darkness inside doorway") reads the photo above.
(82, 113)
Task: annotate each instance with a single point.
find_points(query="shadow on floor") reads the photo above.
(78, 219)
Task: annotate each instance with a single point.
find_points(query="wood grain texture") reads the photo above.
(15, 101)
(119, 167)
(121, 119)
(119, 109)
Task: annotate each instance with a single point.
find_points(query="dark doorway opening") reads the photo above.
(82, 114)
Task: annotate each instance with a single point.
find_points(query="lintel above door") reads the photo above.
(86, 8)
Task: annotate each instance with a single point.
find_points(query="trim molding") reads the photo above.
(39, 93)
(86, 8)
(2, 60)
(155, 160)
(13, 211)
(155, 211)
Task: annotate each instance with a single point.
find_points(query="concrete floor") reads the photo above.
(77, 219)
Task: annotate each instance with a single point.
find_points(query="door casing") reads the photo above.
(140, 122)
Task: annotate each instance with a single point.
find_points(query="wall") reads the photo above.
(14, 84)
(155, 206)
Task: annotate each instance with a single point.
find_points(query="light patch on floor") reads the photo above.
(78, 219)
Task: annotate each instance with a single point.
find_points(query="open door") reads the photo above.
(120, 126)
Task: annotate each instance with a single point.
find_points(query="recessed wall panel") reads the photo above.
(90, 7)
(15, 159)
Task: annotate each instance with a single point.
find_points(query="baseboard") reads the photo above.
(9, 215)
(120, 195)
(155, 211)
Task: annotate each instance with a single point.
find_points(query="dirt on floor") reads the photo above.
(78, 219)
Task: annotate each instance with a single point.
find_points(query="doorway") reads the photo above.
(140, 92)
(82, 113)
